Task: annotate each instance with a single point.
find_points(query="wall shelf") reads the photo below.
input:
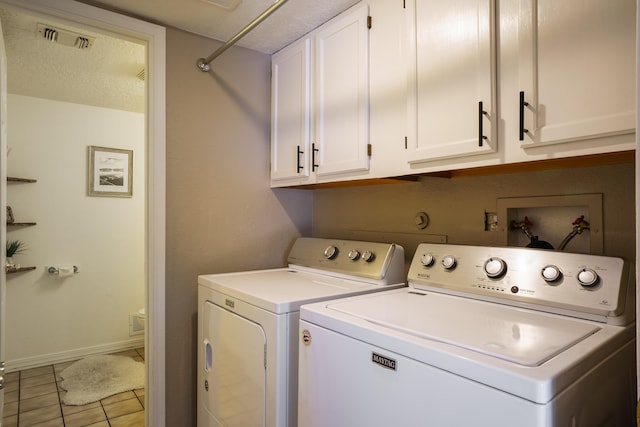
(11, 223)
(19, 270)
(15, 179)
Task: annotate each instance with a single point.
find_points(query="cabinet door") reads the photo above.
(576, 70)
(453, 71)
(341, 82)
(290, 109)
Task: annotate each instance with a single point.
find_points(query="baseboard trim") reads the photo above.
(65, 356)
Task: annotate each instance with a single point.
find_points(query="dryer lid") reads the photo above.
(284, 290)
(521, 336)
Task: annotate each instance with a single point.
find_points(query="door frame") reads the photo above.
(3, 212)
(153, 36)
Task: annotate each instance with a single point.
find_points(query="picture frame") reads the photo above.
(110, 172)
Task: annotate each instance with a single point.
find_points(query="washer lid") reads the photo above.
(520, 336)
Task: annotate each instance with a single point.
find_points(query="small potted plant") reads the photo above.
(14, 247)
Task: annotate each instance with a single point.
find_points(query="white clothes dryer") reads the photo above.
(482, 336)
(248, 326)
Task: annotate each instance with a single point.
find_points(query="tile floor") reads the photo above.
(32, 398)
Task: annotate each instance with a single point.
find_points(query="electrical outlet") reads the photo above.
(490, 221)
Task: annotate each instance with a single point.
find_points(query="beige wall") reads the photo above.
(221, 214)
(456, 207)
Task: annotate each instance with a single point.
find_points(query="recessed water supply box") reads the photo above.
(552, 220)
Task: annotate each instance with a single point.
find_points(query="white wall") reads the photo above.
(50, 318)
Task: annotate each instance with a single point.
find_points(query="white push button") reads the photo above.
(331, 252)
(449, 262)
(587, 277)
(551, 273)
(427, 260)
(495, 267)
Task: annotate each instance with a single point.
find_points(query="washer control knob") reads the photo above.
(427, 260)
(448, 262)
(495, 267)
(587, 277)
(368, 256)
(331, 252)
(551, 273)
(354, 254)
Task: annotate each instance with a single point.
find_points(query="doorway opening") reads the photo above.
(151, 37)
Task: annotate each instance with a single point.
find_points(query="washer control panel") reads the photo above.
(561, 282)
(374, 260)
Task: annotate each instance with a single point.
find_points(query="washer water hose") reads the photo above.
(533, 240)
(578, 226)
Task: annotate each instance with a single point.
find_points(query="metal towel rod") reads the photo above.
(203, 63)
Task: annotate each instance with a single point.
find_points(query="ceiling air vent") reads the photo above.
(64, 37)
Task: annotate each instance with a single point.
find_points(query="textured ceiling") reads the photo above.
(291, 21)
(106, 75)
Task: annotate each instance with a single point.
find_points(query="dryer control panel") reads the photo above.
(373, 260)
(587, 286)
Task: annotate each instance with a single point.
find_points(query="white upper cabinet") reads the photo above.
(290, 111)
(433, 85)
(576, 71)
(341, 126)
(452, 104)
(320, 103)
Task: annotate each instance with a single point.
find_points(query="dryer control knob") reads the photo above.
(587, 277)
(427, 260)
(368, 256)
(449, 262)
(354, 254)
(551, 273)
(495, 267)
(331, 252)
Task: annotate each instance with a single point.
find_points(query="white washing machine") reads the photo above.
(248, 326)
(482, 336)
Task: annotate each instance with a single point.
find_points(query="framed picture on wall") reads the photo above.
(110, 172)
